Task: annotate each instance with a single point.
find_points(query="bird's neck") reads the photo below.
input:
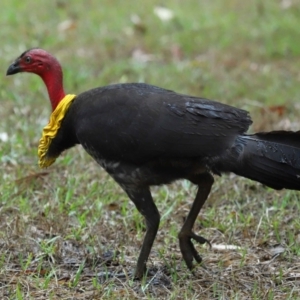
(53, 80)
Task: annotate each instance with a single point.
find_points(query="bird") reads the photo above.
(144, 135)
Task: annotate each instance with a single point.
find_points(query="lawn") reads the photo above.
(69, 232)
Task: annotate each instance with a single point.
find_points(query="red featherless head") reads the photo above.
(42, 63)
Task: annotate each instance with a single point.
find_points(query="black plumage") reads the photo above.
(143, 135)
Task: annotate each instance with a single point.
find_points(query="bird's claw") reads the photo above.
(189, 253)
(201, 240)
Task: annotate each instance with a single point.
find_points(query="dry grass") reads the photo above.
(70, 232)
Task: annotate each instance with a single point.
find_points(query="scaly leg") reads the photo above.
(143, 201)
(189, 253)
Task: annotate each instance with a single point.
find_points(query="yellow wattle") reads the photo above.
(50, 131)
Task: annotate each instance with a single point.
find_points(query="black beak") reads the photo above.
(14, 68)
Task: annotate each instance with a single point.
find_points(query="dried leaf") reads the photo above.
(31, 177)
(66, 25)
(141, 56)
(279, 109)
(113, 206)
(278, 249)
(138, 25)
(3, 136)
(164, 13)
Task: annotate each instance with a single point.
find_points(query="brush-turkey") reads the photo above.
(143, 135)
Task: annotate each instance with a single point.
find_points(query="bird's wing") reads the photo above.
(139, 122)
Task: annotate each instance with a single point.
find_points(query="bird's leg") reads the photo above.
(204, 182)
(143, 201)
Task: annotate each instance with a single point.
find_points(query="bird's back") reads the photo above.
(139, 122)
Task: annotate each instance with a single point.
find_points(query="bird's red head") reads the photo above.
(37, 61)
(42, 63)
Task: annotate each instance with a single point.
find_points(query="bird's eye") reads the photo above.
(27, 59)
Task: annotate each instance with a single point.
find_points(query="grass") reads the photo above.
(64, 230)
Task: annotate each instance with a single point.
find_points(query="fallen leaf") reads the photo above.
(278, 249)
(113, 206)
(30, 177)
(138, 25)
(66, 25)
(279, 109)
(3, 136)
(164, 13)
(141, 56)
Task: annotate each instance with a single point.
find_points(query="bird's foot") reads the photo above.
(147, 272)
(187, 248)
(139, 275)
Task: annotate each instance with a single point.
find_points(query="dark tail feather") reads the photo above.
(271, 158)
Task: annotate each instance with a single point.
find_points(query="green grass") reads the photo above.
(61, 230)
